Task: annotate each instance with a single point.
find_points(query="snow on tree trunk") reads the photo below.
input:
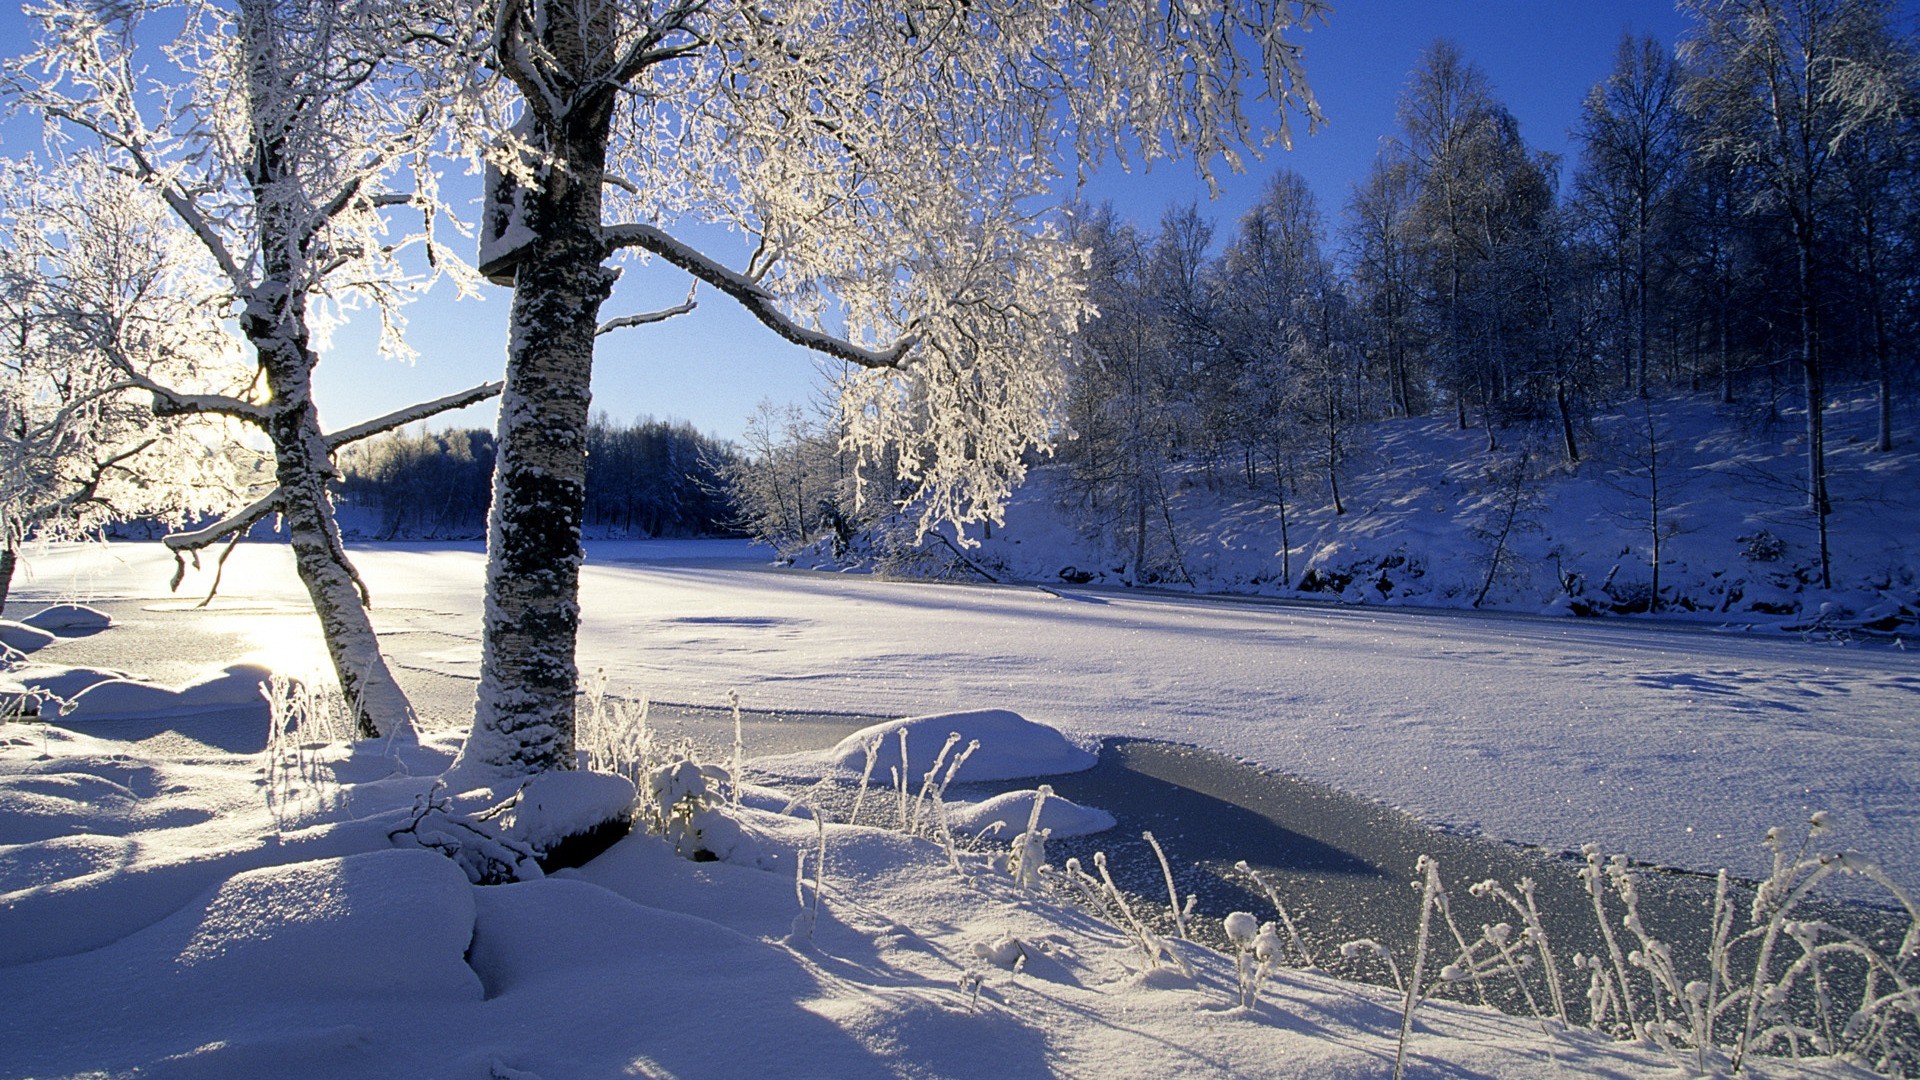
(524, 714)
(302, 465)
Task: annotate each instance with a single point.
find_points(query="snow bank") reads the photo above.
(1011, 746)
(22, 638)
(236, 685)
(1424, 500)
(1005, 816)
(558, 805)
(389, 924)
(69, 620)
(263, 956)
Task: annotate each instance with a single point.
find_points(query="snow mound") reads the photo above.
(232, 686)
(20, 637)
(1011, 746)
(380, 924)
(557, 805)
(1004, 817)
(43, 681)
(69, 620)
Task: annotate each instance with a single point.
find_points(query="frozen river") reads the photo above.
(1676, 744)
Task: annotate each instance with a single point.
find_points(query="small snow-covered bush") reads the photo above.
(482, 853)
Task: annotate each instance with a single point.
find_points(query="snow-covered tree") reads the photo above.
(95, 286)
(277, 133)
(1631, 143)
(1379, 242)
(885, 166)
(1781, 87)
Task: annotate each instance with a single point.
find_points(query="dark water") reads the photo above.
(1344, 866)
(1345, 869)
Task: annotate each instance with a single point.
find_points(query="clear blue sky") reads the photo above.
(713, 366)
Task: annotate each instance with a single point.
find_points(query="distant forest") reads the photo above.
(644, 479)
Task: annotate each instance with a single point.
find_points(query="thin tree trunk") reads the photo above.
(1816, 390)
(8, 560)
(1882, 347)
(303, 466)
(1566, 421)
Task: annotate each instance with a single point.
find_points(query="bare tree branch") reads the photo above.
(403, 417)
(208, 535)
(757, 300)
(626, 321)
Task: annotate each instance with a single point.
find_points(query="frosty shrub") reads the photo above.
(614, 735)
(1787, 983)
(683, 798)
(1762, 547)
(303, 716)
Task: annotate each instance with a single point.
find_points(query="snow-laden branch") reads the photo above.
(758, 301)
(403, 417)
(208, 535)
(88, 490)
(646, 318)
(170, 402)
(142, 168)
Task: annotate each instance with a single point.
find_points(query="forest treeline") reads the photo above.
(1733, 222)
(647, 478)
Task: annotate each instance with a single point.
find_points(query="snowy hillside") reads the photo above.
(1427, 507)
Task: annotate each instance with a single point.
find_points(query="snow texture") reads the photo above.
(159, 916)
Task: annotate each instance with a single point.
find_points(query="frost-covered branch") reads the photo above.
(646, 318)
(140, 165)
(208, 535)
(758, 301)
(403, 417)
(170, 402)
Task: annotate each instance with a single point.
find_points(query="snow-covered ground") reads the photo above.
(1427, 506)
(1677, 745)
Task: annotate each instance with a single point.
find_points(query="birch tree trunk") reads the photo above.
(275, 323)
(302, 466)
(524, 712)
(8, 560)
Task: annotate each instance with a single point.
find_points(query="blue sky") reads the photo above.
(713, 366)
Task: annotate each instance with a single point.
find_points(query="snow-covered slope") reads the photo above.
(1425, 504)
